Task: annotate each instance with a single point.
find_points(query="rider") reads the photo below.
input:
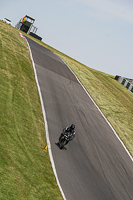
(70, 129)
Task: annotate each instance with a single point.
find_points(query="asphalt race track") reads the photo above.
(95, 165)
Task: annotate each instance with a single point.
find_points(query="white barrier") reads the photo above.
(125, 82)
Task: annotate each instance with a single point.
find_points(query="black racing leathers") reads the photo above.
(68, 129)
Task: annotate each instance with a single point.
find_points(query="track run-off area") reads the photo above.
(95, 165)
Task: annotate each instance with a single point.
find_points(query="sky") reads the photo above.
(97, 33)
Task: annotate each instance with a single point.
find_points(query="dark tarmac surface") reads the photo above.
(94, 166)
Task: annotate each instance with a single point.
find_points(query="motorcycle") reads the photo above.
(64, 139)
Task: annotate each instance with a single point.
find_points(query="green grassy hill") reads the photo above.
(25, 169)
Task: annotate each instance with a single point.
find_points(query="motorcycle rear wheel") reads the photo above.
(62, 143)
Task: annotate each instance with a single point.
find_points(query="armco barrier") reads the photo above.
(125, 82)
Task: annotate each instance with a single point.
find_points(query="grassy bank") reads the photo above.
(114, 100)
(25, 169)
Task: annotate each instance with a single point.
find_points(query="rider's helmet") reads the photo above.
(72, 127)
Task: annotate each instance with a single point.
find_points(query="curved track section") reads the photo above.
(94, 165)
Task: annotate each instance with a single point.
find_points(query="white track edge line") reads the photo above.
(46, 124)
(101, 113)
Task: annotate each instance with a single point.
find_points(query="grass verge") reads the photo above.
(25, 169)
